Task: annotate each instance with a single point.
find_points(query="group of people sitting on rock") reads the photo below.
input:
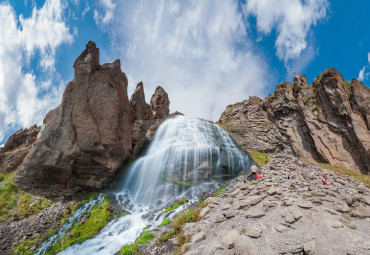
(254, 175)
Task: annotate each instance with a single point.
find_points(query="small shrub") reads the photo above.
(182, 238)
(166, 237)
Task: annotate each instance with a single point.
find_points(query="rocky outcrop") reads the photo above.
(88, 137)
(85, 140)
(16, 148)
(327, 122)
(276, 216)
(159, 104)
(146, 118)
(22, 137)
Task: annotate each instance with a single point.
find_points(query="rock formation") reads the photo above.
(146, 118)
(16, 148)
(85, 140)
(327, 122)
(276, 216)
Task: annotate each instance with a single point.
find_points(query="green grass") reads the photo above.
(130, 249)
(363, 178)
(165, 222)
(315, 109)
(176, 204)
(98, 217)
(133, 249)
(349, 86)
(191, 215)
(24, 247)
(16, 203)
(219, 191)
(259, 157)
(166, 237)
(176, 181)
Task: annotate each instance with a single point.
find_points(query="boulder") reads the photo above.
(254, 232)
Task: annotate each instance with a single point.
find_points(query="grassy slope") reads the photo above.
(14, 203)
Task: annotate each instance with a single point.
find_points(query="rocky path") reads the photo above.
(279, 216)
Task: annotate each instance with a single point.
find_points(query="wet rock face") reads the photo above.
(327, 122)
(88, 137)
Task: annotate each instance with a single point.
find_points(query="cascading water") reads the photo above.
(187, 156)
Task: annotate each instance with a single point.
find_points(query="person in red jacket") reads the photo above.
(259, 175)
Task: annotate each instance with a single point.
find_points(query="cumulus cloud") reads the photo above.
(105, 15)
(22, 102)
(292, 20)
(197, 50)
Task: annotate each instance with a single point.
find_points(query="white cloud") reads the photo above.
(44, 31)
(197, 50)
(107, 7)
(292, 20)
(361, 74)
(86, 10)
(23, 101)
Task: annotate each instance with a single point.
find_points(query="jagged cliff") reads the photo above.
(85, 140)
(327, 122)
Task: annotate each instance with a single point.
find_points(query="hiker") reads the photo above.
(254, 171)
(249, 177)
(259, 175)
(325, 181)
(288, 174)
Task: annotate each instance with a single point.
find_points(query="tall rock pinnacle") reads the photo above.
(87, 137)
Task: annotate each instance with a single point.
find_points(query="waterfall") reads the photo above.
(186, 157)
(185, 153)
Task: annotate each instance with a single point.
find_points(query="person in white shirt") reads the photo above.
(254, 171)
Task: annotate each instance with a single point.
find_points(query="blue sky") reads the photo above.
(205, 54)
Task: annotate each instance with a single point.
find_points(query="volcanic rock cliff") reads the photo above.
(327, 122)
(85, 140)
